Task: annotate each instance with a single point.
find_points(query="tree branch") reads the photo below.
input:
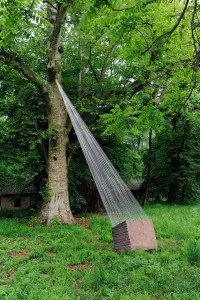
(56, 18)
(190, 93)
(91, 66)
(103, 69)
(61, 11)
(193, 30)
(140, 32)
(99, 79)
(197, 25)
(196, 63)
(31, 6)
(48, 2)
(168, 33)
(18, 64)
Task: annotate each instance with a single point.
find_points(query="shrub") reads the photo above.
(21, 213)
(35, 220)
(6, 212)
(55, 221)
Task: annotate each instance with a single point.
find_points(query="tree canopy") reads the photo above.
(130, 67)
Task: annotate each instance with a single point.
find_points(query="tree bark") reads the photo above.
(56, 204)
(80, 72)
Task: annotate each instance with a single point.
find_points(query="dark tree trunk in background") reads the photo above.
(148, 169)
(172, 194)
(80, 72)
(183, 192)
(175, 184)
(174, 165)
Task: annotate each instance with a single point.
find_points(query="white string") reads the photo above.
(118, 200)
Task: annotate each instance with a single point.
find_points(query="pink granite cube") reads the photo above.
(134, 235)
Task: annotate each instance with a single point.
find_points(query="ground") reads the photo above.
(78, 262)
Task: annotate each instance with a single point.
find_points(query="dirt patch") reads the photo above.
(10, 274)
(50, 252)
(80, 267)
(82, 222)
(22, 253)
(19, 253)
(96, 240)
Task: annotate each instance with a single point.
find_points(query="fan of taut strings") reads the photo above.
(119, 202)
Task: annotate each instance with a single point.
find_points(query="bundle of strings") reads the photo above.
(118, 200)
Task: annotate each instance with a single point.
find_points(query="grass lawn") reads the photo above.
(73, 262)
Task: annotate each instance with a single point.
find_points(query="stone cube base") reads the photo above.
(134, 235)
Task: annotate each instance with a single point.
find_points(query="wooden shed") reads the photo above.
(13, 198)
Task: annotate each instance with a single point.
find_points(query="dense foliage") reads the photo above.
(132, 70)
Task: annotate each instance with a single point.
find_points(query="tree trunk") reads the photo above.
(148, 169)
(174, 165)
(80, 72)
(172, 194)
(183, 192)
(56, 205)
(175, 183)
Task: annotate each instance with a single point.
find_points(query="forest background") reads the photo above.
(132, 71)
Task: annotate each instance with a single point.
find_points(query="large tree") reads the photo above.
(15, 17)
